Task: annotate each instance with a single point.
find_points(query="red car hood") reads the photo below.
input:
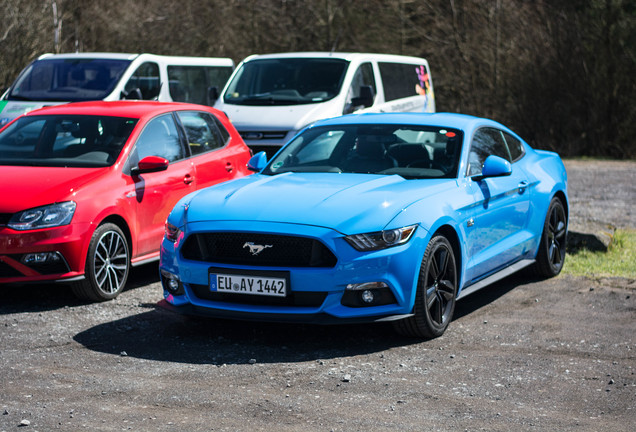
(24, 187)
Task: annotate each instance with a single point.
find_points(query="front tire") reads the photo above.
(551, 254)
(436, 292)
(107, 265)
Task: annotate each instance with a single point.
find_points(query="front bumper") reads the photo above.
(316, 294)
(43, 255)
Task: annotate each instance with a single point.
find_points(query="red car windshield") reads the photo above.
(65, 140)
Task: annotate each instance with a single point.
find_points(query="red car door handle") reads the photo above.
(229, 167)
(188, 179)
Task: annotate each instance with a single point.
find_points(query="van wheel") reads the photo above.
(107, 265)
(436, 293)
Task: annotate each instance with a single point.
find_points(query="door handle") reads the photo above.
(523, 185)
(188, 179)
(229, 167)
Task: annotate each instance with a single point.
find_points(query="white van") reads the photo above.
(271, 97)
(59, 78)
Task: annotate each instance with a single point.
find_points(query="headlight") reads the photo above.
(43, 217)
(171, 232)
(381, 239)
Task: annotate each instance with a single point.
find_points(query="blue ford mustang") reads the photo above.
(372, 217)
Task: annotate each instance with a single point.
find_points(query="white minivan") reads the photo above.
(269, 98)
(59, 78)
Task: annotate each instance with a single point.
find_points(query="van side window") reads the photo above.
(201, 131)
(399, 80)
(159, 138)
(193, 83)
(486, 142)
(146, 79)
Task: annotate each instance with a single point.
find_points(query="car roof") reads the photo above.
(449, 120)
(130, 108)
(89, 55)
(349, 56)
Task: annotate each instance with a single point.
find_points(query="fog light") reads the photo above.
(40, 257)
(367, 296)
(171, 283)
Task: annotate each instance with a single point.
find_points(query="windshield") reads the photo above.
(68, 80)
(286, 81)
(406, 150)
(64, 140)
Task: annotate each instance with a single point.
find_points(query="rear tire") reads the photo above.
(436, 293)
(107, 265)
(551, 254)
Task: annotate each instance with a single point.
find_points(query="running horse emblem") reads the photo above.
(254, 248)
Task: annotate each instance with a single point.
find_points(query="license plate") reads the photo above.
(248, 284)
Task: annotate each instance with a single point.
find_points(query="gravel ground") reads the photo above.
(528, 355)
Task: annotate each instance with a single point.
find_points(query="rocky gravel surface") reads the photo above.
(524, 355)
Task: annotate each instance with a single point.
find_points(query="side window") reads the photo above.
(159, 138)
(486, 142)
(515, 146)
(188, 84)
(146, 79)
(400, 80)
(201, 131)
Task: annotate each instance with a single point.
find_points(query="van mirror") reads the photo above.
(365, 99)
(213, 94)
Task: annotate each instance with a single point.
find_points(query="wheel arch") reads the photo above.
(123, 226)
(451, 235)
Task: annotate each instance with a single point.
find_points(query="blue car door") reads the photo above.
(497, 235)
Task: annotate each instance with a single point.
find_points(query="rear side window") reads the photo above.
(193, 83)
(201, 131)
(515, 147)
(401, 80)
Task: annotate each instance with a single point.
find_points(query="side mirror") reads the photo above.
(365, 99)
(150, 164)
(494, 166)
(257, 162)
(213, 95)
(134, 94)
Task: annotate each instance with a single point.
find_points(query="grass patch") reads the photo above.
(618, 261)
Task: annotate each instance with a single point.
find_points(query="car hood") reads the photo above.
(24, 187)
(348, 203)
(284, 117)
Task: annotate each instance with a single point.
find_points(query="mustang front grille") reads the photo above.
(257, 250)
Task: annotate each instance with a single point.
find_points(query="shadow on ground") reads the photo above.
(161, 335)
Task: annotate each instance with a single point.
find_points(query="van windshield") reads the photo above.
(68, 80)
(286, 81)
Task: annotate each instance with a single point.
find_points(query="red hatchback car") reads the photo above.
(86, 187)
